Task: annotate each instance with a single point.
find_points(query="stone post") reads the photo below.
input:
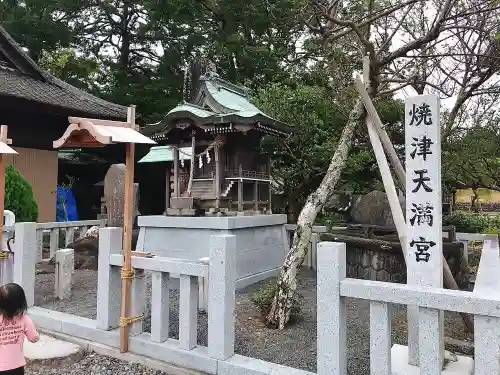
(160, 306)
(25, 259)
(69, 236)
(65, 265)
(203, 289)
(54, 242)
(108, 279)
(137, 303)
(331, 338)
(39, 245)
(188, 311)
(221, 298)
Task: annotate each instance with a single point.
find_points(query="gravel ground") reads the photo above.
(294, 346)
(92, 364)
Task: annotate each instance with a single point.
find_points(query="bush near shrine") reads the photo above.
(263, 297)
(473, 223)
(19, 196)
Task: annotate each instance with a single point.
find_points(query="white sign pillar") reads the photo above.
(424, 244)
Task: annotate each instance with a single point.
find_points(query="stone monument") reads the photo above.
(114, 194)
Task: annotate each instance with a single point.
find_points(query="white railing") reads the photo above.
(334, 287)
(310, 260)
(220, 272)
(70, 228)
(216, 358)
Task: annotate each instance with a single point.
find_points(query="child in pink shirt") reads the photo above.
(15, 324)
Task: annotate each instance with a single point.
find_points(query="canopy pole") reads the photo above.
(127, 271)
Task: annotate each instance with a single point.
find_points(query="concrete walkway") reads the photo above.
(49, 348)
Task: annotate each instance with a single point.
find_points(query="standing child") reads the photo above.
(15, 324)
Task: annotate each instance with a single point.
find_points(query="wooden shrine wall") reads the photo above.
(39, 167)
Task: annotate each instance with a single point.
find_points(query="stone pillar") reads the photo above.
(69, 236)
(114, 192)
(108, 279)
(54, 242)
(203, 289)
(332, 355)
(221, 297)
(137, 303)
(65, 265)
(188, 312)
(160, 306)
(25, 259)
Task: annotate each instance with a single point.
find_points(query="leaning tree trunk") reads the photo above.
(279, 313)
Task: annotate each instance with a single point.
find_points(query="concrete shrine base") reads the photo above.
(456, 364)
(261, 241)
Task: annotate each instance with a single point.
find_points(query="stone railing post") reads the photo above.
(25, 259)
(65, 265)
(108, 279)
(331, 338)
(221, 296)
(203, 289)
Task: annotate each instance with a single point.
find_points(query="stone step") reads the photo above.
(49, 350)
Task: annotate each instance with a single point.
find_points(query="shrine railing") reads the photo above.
(67, 229)
(246, 174)
(334, 287)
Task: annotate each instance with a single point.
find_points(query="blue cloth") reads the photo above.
(68, 211)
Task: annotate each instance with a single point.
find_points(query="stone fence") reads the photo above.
(67, 229)
(334, 287)
(219, 357)
(377, 264)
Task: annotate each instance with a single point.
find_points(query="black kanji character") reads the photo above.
(421, 181)
(419, 114)
(422, 253)
(422, 214)
(422, 147)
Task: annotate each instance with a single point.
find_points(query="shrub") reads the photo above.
(467, 223)
(492, 230)
(19, 196)
(263, 299)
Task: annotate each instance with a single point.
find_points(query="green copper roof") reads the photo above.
(219, 103)
(159, 154)
(231, 101)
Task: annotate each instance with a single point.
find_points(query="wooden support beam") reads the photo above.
(167, 188)
(270, 187)
(217, 176)
(240, 190)
(256, 195)
(379, 128)
(176, 173)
